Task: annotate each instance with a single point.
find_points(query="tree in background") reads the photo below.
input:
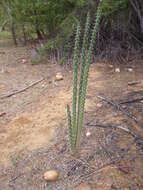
(54, 21)
(138, 8)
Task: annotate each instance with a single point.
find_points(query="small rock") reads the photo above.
(51, 175)
(99, 105)
(43, 85)
(115, 114)
(130, 69)
(88, 133)
(59, 77)
(111, 66)
(117, 70)
(124, 106)
(24, 60)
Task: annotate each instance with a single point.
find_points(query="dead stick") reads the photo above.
(132, 101)
(119, 108)
(98, 170)
(22, 90)
(113, 126)
(133, 83)
(13, 179)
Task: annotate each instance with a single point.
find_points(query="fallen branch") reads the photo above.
(13, 179)
(133, 83)
(132, 101)
(86, 176)
(113, 126)
(117, 106)
(22, 90)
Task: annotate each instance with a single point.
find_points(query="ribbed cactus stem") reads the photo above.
(76, 62)
(70, 127)
(86, 71)
(83, 61)
(75, 121)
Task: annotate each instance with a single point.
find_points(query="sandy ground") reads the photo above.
(33, 126)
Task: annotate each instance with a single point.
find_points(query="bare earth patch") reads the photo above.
(34, 137)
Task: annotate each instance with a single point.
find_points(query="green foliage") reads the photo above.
(50, 45)
(112, 6)
(55, 20)
(62, 61)
(66, 31)
(75, 122)
(45, 16)
(5, 35)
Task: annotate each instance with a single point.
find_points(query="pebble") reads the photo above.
(24, 60)
(59, 77)
(111, 66)
(51, 175)
(130, 69)
(99, 105)
(117, 70)
(43, 85)
(88, 134)
(124, 106)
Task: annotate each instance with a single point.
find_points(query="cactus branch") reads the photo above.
(76, 62)
(86, 71)
(69, 126)
(83, 61)
(75, 122)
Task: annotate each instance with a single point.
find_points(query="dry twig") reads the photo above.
(22, 90)
(132, 101)
(112, 126)
(117, 106)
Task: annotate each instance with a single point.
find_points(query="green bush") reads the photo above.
(5, 35)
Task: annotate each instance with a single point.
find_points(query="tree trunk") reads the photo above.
(141, 24)
(12, 27)
(13, 33)
(138, 8)
(3, 25)
(24, 34)
(39, 35)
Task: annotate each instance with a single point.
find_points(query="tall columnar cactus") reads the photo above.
(75, 122)
(85, 75)
(82, 67)
(72, 125)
